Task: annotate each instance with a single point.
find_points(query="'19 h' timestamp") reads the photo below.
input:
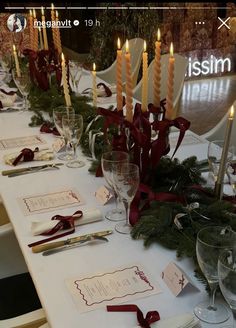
(87, 22)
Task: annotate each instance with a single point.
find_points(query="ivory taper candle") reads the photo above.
(94, 85)
(57, 36)
(45, 38)
(119, 96)
(145, 79)
(157, 71)
(128, 85)
(53, 19)
(224, 156)
(36, 36)
(65, 81)
(18, 73)
(40, 39)
(170, 85)
(31, 29)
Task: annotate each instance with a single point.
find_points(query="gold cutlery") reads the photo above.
(30, 169)
(89, 239)
(69, 241)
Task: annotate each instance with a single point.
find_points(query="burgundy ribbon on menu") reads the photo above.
(151, 316)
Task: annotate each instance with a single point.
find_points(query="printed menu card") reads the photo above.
(21, 142)
(50, 201)
(112, 287)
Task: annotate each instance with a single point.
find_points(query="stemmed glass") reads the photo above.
(214, 156)
(227, 277)
(75, 71)
(108, 160)
(211, 241)
(58, 113)
(126, 182)
(23, 84)
(72, 130)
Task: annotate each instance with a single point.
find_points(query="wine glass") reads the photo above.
(72, 130)
(227, 277)
(126, 182)
(108, 160)
(211, 240)
(214, 156)
(75, 71)
(23, 84)
(58, 113)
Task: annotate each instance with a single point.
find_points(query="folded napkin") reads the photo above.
(27, 155)
(89, 216)
(7, 97)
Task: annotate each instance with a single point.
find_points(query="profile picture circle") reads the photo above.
(16, 23)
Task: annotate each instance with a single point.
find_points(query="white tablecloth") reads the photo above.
(49, 273)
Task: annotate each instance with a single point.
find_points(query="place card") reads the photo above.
(175, 278)
(103, 195)
(114, 286)
(50, 201)
(21, 142)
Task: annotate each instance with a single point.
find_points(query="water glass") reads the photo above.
(211, 241)
(23, 84)
(108, 161)
(227, 277)
(72, 130)
(58, 114)
(126, 183)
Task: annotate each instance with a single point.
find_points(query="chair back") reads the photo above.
(218, 132)
(181, 64)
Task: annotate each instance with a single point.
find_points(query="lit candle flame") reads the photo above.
(30, 12)
(231, 114)
(34, 13)
(118, 43)
(144, 46)
(127, 46)
(62, 57)
(158, 35)
(56, 14)
(171, 49)
(14, 47)
(52, 6)
(94, 67)
(42, 11)
(39, 29)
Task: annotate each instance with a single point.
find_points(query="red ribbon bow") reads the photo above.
(47, 128)
(151, 316)
(64, 223)
(27, 154)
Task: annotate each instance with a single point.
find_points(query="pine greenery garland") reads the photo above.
(157, 223)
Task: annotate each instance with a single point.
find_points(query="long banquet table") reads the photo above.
(50, 272)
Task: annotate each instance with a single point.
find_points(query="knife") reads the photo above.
(89, 239)
(27, 169)
(44, 247)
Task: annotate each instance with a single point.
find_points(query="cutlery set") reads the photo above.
(32, 169)
(58, 246)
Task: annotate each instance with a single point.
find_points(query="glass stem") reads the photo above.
(25, 102)
(116, 199)
(212, 299)
(127, 211)
(74, 149)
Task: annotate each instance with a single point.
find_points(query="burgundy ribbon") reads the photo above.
(151, 316)
(64, 223)
(27, 154)
(135, 209)
(8, 93)
(47, 128)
